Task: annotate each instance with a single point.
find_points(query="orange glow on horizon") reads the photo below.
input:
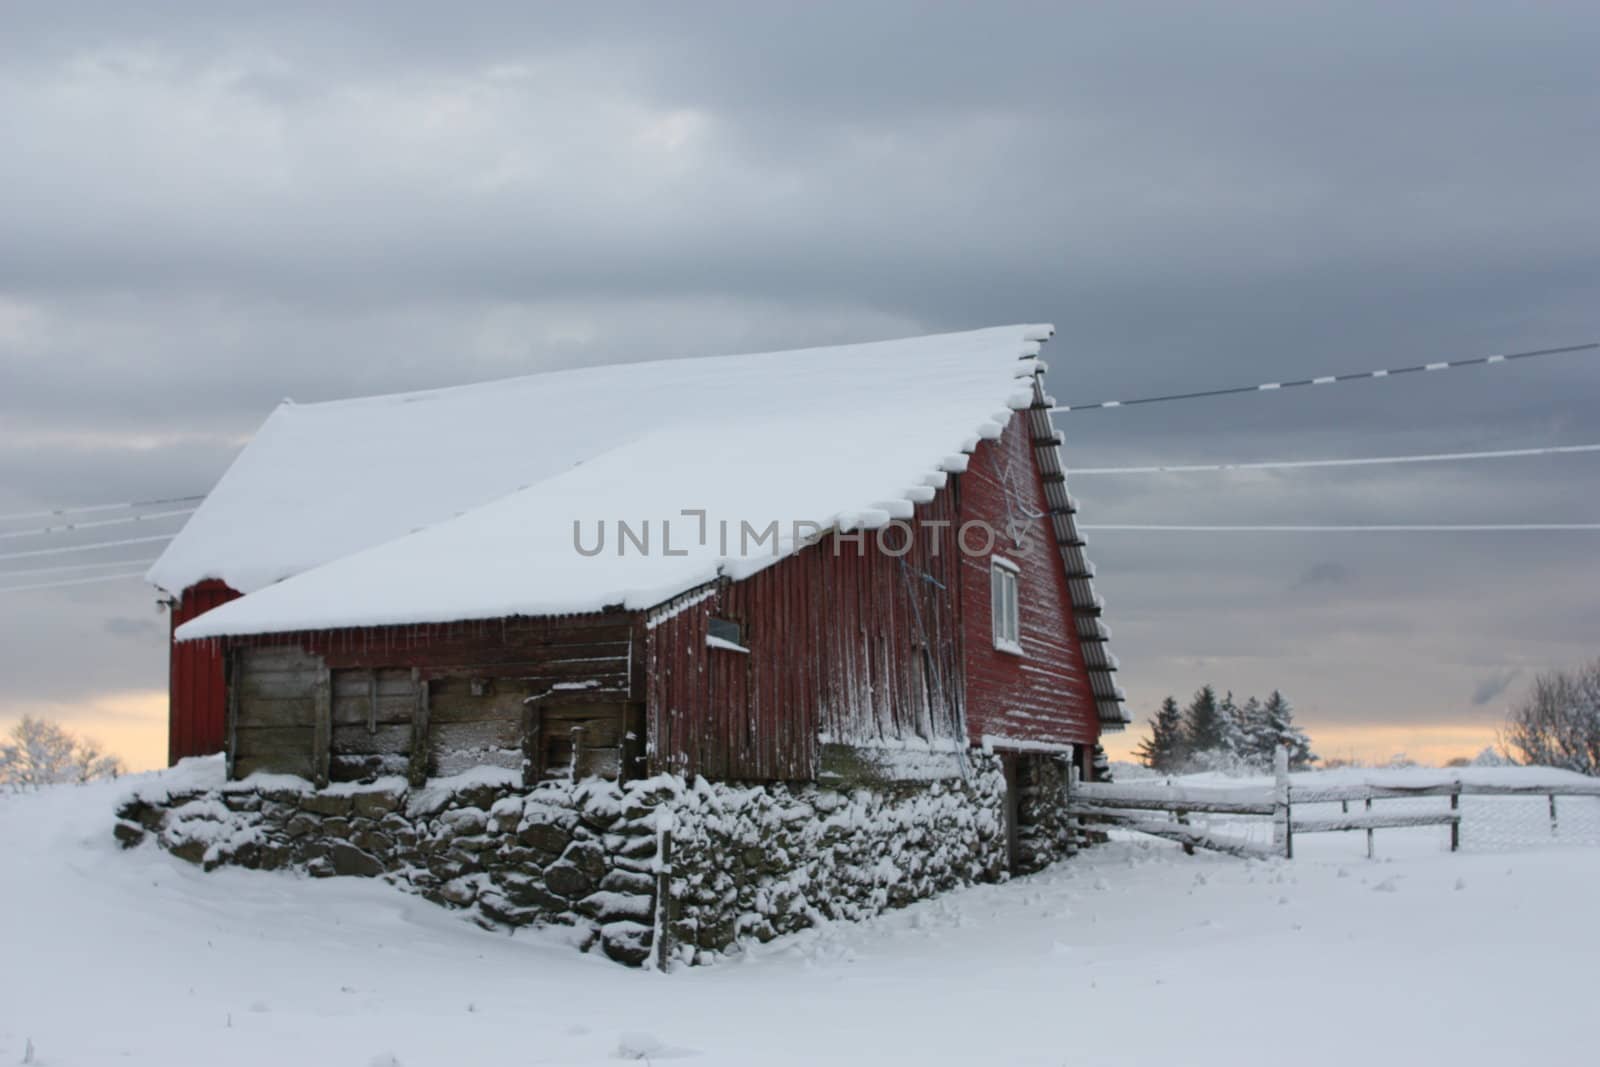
(1431, 744)
(132, 725)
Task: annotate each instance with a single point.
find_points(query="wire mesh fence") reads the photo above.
(1380, 814)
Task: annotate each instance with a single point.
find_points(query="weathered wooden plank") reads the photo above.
(1375, 822)
(357, 711)
(386, 740)
(266, 658)
(1217, 807)
(259, 711)
(1172, 831)
(322, 728)
(273, 740)
(417, 772)
(231, 682)
(356, 682)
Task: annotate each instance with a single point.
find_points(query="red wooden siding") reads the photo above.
(196, 694)
(836, 637)
(1044, 695)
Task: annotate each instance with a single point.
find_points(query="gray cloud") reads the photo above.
(1491, 688)
(1328, 572)
(141, 629)
(212, 207)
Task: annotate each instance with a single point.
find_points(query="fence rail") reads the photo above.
(1164, 810)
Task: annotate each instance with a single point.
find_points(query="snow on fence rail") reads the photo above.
(1166, 809)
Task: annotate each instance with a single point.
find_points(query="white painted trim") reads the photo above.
(994, 742)
(1005, 564)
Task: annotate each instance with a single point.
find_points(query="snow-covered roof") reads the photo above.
(460, 503)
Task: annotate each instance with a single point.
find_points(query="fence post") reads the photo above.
(1369, 829)
(1282, 824)
(1455, 825)
(1552, 815)
(1074, 826)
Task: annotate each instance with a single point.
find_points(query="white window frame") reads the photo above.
(1005, 579)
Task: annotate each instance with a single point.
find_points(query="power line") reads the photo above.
(1331, 379)
(149, 516)
(1372, 461)
(86, 509)
(86, 548)
(77, 567)
(1510, 527)
(70, 581)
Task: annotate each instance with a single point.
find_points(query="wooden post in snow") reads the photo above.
(1552, 815)
(1455, 827)
(1369, 830)
(1074, 826)
(417, 765)
(1282, 826)
(322, 727)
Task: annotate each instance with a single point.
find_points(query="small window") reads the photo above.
(1003, 603)
(726, 635)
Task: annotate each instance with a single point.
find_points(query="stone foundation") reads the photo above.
(736, 861)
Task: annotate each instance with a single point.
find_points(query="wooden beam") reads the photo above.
(230, 680)
(417, 771)
(1375, 822)
(1089, 799)
(321, 726)
(1171, 831)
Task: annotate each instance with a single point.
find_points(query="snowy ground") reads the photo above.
(1131, 954)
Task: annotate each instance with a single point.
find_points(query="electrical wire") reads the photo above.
(1331, 379)
(1507, 527)
(1371, 461)
(41, 531)
(77, 567)
(31, 553)
(70, 581)
(86, 509)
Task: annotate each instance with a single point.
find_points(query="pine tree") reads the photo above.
(1235, 747)
(1259, 736)
(1203, 727)
(1164, 750)
(1279, 714)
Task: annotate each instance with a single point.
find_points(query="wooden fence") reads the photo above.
(1164, 810)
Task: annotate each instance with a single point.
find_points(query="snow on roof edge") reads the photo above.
(1026, 340)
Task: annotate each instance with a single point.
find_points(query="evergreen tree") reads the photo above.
(1203, 727)
(1235, 747)
(1279, 715)
(1164, 750)
(1259, 736)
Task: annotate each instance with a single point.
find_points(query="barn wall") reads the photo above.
(196, 696)
(837, 635)
(1043, 696)
(431, 700)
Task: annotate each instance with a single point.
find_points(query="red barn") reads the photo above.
(752, 568)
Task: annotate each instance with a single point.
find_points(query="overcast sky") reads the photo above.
(205, 208)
